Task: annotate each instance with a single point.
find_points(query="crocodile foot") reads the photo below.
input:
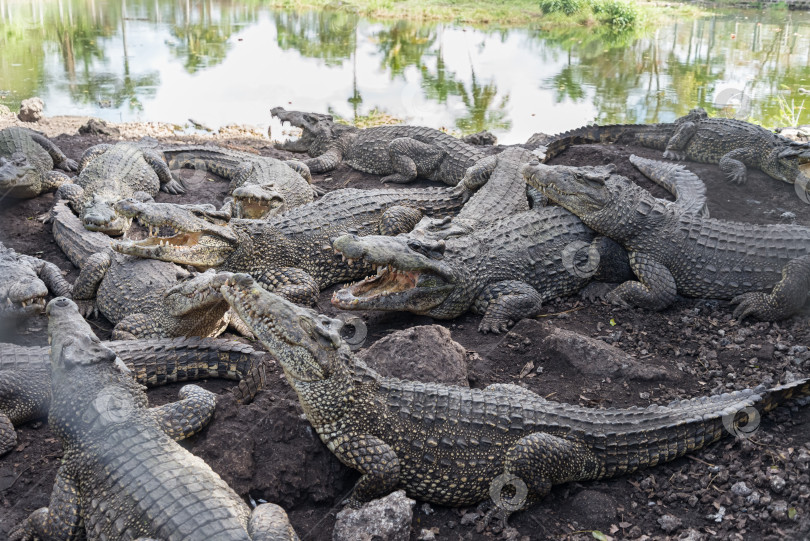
(736, 177)
(173, 187)
(495, 326)
(87, 308)
(674, 155)
(757, 305)
(67, 165)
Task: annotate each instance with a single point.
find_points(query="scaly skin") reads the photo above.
(764, 269)
(123, 476)
(261, 186)
(25, 380)
(732, 144)
(142, 298)
(25, 281)
(505, 270)
(450, 445)
(402, 153)
(27, 162)
(290, 254)
(108, 173)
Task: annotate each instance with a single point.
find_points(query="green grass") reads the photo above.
(545, 13)
(374, 118)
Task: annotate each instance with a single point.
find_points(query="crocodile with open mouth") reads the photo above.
(143, 298)
(25, 281)
(27, 164)
(123, 475)
(763, 269)
(261, 186)
(108, 173)
(401, 153)
(455, 445)
(505, 270)
(25, 378)
(291, 254)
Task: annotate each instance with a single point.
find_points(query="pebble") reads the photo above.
(740, 488)
(669, 523)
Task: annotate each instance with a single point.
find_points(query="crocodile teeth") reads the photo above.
(380, 269)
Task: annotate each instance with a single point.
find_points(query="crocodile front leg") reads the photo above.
(676, 147)
(292, 283)
(411, 158)
(8, 436)
(269, 522)
(477, 175)
(326, 161)
(186, 417)
(733, 164)
(60, 161)
(167, 183)
(541, 460)
(84, 289)
(60, 520)
(376, 460)
(300, 168)
(505, 303)
(786, 298)
(655, 290)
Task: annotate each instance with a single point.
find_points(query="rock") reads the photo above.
(669, 523)
(386, 519)
(426, 353)
(96, 126)
(31, 110)
(598, 508)
(482, 138)
(590, 356)
(4, 110)
(539, 139)
(740, 488)
(777, 484)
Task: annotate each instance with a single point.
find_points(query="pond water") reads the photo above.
(223, 62)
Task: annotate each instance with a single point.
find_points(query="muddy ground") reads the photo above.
(757, 488)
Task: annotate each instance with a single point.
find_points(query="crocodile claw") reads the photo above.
(736, 178)
(752, 304)
(68, 165)
(674, 155)
(174, 187)
(495, 326)
(87, 308)
(45, 217)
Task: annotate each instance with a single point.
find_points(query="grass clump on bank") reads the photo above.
(548, 13)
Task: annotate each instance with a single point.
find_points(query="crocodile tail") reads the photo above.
(689, 190)
(611, 133)
(775, 396)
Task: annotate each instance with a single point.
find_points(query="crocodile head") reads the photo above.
(19, 178)
(22, 293)
(255, 202)
(312, 125)
(92, 388)
(787, 164)
(197, 235)
(194, 294)
(581, 190)
(100, 215)
(308, 345)
(410, 274)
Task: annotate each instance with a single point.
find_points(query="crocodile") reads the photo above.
(25, 281)
(456, 446)
(506, 270)
(261, 186)
(142, 298)
(763, 269)
(108, 173)
(27, 164)
(292, 253)
(25, 379)
(123, 476)
(401, 153)
(732, 144)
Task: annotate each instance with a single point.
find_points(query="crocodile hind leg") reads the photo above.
(376, 460)
(505, 303)
(167, 183)
(655, 290)
(537, 462)
(676, 147)
(60, 161)
(138, 326)
(60, 520)
(8, 436)
(411, 158)
(733, 165)
(269, 522)
(91, 154)
(399, 219)
(184, 418)
(294, 284)
(786, 298)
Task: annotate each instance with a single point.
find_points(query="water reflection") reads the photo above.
(230, 61)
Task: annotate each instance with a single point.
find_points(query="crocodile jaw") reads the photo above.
(257, 203)
(200, 292)
(20, 182)
(390, 289)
